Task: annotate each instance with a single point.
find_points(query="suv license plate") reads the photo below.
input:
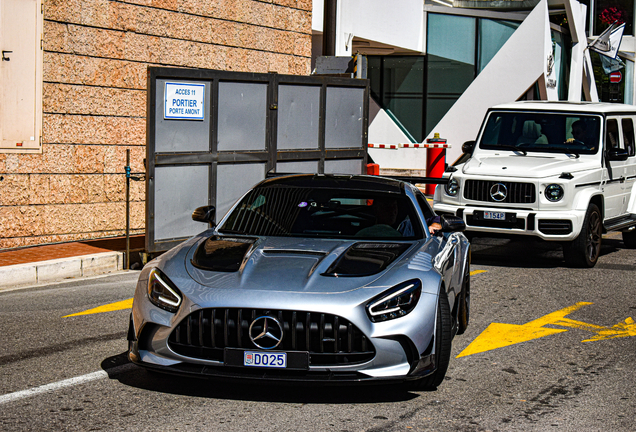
(264, 359)
(494, 215)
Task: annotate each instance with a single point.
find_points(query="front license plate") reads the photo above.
(494, 215)
(265, 359)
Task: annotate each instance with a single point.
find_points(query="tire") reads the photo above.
(443, 338)
(463, 313)
(584, 250)
(629, 239)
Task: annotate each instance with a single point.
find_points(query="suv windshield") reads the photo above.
(541, 132)
(324, 213)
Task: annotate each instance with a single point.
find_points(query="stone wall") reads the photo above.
(96, 54)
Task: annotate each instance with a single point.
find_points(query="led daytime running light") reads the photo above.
(169, 299)
(396, 302)
(386, 299)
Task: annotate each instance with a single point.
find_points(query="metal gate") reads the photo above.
(211, 135)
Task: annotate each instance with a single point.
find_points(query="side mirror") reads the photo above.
(468, 147)
(204, 214)
(617, 154)
(452, 223)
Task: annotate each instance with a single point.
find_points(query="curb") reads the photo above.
(60, 269)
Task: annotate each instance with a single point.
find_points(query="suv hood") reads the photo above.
(529, 166)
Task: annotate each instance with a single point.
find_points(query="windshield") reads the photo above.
(324, 213)
(541, 132)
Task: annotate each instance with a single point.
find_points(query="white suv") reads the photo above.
(555, 170)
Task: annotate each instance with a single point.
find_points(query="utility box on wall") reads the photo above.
(211, 135)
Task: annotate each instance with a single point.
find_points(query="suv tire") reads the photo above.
(584, 250)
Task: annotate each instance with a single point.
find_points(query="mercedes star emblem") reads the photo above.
(498, 192)
(266, 332)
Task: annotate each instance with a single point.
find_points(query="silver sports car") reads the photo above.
(310, 278)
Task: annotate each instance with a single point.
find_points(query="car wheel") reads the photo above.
(463, 314)
(629, 238)
(443, 338)
(584, 250)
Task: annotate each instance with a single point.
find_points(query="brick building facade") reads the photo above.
(95, 55)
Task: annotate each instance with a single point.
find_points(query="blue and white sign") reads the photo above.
(184, 101)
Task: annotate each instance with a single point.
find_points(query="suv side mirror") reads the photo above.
(204, 214)
(452, 223)
(468, 147)
(617, 154)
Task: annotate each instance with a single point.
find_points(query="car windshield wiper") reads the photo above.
(514, 149)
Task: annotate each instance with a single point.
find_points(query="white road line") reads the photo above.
(9, 397)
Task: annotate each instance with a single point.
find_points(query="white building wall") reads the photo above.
(399, 23)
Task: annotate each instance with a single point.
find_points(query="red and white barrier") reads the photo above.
(410, 145)
(384, 146)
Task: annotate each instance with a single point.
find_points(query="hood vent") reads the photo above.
(223, 254)
(366, 259)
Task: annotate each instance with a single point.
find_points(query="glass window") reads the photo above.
(493, 35)
(525, 132)
(612, 140)
(608, 11)
(397, 85)
(561, 47)
(374, 73)
(628, 135)
(452, 37)
(324, 213)
(403, 91)
(451, 50)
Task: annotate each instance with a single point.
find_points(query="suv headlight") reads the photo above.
(554, 192)
(162, 292)
(396, 302)
(452, 187)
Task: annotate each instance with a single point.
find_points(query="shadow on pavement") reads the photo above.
(141, 378)
(527, 253)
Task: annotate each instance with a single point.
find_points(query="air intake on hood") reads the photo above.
(223, 254)
(365, 259)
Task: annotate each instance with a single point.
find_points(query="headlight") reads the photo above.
(452, 187)
(395, 303)
(554, 192)
(162, 292)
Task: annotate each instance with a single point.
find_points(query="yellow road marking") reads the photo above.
(622, 329)
(120, 305)
(499, 335)
(476, 272)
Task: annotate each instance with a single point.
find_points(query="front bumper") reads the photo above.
(311, 376)
(403, 348)
(547, 225)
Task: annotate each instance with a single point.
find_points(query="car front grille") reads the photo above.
(330, 340)
(516, 193)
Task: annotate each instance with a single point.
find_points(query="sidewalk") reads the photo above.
(52, 263)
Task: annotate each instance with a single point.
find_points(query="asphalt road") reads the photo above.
(548, 348)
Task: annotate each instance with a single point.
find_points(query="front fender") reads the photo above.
(584, 197)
